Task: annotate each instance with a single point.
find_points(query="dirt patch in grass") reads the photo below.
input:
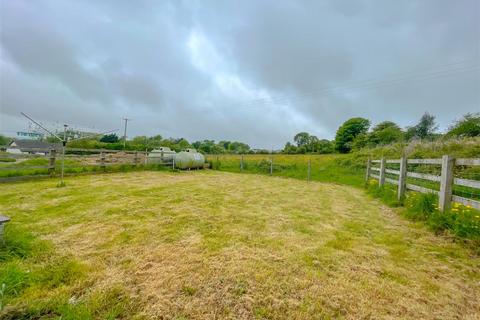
(203, 245)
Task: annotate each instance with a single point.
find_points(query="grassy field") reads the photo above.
(325, 168)
(72, 166)
(209, 244)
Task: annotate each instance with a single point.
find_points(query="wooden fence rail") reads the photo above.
(98, 160)
(446, 178)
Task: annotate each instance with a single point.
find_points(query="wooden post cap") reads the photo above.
(4, 219)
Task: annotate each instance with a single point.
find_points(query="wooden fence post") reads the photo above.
(402, 179)
(309, 169)
(241, 162)
(271, 165)
(51, 165)
(135, 159)
(367, 175)
(381, 181)
(446, 183)
(102, 161)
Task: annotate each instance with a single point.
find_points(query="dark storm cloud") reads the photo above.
(257, 71)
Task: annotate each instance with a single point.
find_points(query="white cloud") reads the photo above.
(254, 71)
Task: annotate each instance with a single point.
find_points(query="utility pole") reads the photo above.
(64, 143)
(125, 132)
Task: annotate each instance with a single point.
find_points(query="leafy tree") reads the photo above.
(224, 144)
(302, 150)
(424, 129)
(238, 147)
(312, 144)
(290, 148)
(410, 133)
(197, 144)
(468, 126)
(182, 144)
(348, 131)
(109, 138)
(4, 140)
(157, 139)
(208, 146)
(385, 132)
(301, 139)
(361, 141)
(138, 142)
(426, 126)
(325, 146)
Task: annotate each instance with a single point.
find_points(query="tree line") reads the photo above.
(354, 134)
(112, 141)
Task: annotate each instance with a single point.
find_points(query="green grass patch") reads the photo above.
(36, 282)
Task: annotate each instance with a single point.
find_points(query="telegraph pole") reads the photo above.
(64, 143)
(125, 132)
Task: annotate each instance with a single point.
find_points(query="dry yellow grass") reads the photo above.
(213, 245)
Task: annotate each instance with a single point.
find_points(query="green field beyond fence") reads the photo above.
(325, 168)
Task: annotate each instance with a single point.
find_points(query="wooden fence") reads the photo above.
(445, 178)
(85, 160)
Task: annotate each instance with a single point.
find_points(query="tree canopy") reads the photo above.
(109, 138)
(4, 140)
(384, 133)
(306, 143)
(424, 129)
(348, 131)
(468, 126)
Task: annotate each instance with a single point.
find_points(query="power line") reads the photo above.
(366, 84)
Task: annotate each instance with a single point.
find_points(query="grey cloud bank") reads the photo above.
(254, 71)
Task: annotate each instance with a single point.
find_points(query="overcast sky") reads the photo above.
(253, 71)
